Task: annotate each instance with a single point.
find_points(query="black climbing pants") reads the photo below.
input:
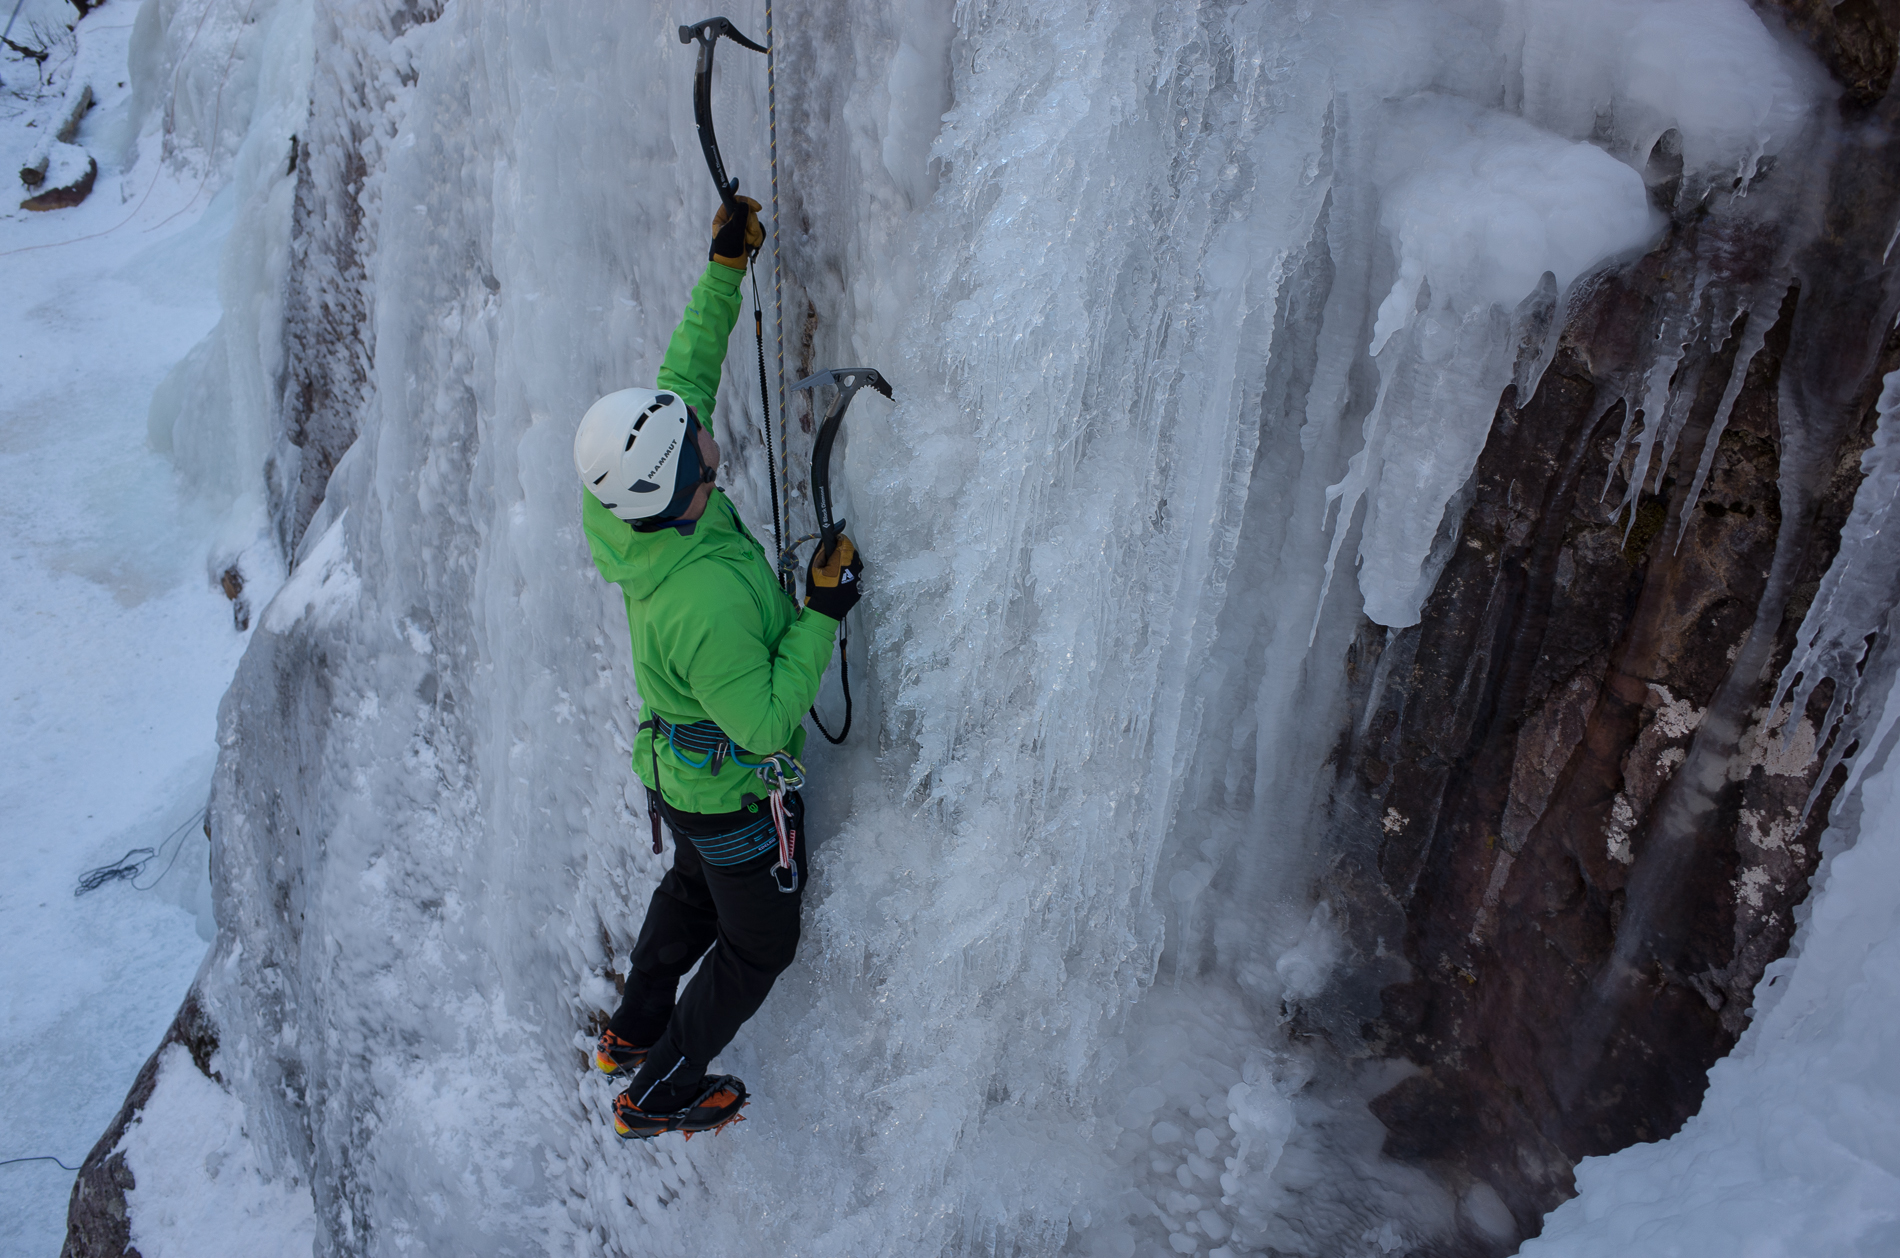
(739, 913)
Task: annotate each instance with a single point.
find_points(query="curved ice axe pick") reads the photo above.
(708, 33)
(847, 380)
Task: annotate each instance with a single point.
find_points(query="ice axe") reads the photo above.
(847, 380)
(708, 33)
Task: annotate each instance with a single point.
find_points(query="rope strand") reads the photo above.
(778, 293)
(765, 401)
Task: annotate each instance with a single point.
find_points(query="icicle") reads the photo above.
(1655, 405)
(1753, 334)
(1538, 327)
(1361, 470)
(1849, 632)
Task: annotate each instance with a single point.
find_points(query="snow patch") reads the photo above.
(1707, 69)
(322, 587)
(1675, 718)
(202, 1187)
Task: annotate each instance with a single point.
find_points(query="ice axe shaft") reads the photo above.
(847, 380)
(707, 33)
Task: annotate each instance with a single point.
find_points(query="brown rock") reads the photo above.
(1595, 823)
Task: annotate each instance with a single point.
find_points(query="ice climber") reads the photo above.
(726, 664)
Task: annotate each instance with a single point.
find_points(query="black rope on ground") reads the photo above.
(43, 1157)
(133, 863)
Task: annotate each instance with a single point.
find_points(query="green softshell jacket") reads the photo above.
(714, 637)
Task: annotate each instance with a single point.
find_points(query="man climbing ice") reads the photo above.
(726, 666)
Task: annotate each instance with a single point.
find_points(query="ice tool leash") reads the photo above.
(847, 380)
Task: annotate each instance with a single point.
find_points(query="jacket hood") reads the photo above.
(639, 562)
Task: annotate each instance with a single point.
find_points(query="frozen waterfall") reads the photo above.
(1198, 316)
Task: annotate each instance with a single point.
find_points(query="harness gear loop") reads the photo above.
(782, 773)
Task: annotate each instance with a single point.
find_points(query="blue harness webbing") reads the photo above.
(709, 742)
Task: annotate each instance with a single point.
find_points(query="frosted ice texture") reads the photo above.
(1478, 206)
(1160, 286)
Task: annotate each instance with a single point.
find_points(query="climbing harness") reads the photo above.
(707, 739)
(847, 380)
(780, 772)
(701, 736)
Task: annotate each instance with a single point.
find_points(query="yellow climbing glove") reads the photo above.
(733, 241)
(832, 589)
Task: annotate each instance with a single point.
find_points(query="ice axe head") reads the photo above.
(847, 380)
(711, 29)
(708, 33)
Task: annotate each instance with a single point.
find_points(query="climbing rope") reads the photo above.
(765, 404)
(778, 292)
(133, 863)
(40, 1157)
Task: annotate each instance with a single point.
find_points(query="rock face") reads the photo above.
(328, 330)
(1568, 790)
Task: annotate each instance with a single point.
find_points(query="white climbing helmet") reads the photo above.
(632, 450)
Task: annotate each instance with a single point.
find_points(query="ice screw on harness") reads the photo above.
(847, 380)
(781, 773)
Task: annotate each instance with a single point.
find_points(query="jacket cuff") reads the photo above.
(722, 276)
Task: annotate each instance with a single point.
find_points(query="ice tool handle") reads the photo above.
(708, 33)
(847, 380)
